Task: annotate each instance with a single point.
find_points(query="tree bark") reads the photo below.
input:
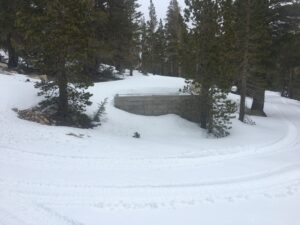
(13, 59)
(63, 106)
(291, 85)
(172, 68)
(162, 70)
(243, 93)
(258, 102)
(245, 66)
(204, 106)
(179, 71)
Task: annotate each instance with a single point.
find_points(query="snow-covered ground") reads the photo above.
(173, 175)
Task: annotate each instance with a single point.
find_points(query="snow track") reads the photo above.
(37, 182)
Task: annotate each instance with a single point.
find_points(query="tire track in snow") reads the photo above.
(29, 213)
(9, 218)
(50, 189)
(168, 197)
(228, 181)
(288, 140)
(87, 194)
(59, 218)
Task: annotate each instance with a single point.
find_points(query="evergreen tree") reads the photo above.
(134, 19)
(151, 37)
(189, 53)
(208, 77)
(159, 50)
(9, 33)
(228, 42)
(243, 9)
(152, 22)
(286, 42)
(221, 113)
(123, 27)
(289, 65)
(175, 29)
(103, 51)
(144, 47)
(58, 38)
(262, 40)
(254, 39)
(205, 20)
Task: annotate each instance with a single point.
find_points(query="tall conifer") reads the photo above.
(58, 39)
(9, 33)
(175, 29)
(208, 79)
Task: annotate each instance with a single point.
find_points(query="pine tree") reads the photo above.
(262, 40)
(152, 22)
(243, 9)
(290, 67)
(208, 79)
(159, 50)
(221, 113)
(134, 19)
(123, 29)
(9, 33)
(144, 67)
(228, 42)
(175, 29)
(286, 41)
(189, 55)
(58, 39)
(151, 37)
(103, 51)
(253, 43)
(206, 30)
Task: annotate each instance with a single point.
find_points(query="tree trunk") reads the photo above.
(91, 68)
(172, 68)
(179, 71)
(258, 102)
(131, 72)
(243, 91)
(63, 106)
(162, 72)
(245, 65)
(291, 85)
(13, 58)
(119, 68)
(204, 106)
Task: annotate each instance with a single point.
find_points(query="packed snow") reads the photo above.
(173, 175)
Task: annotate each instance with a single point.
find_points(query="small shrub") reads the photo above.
(100, 112)
(222, 112)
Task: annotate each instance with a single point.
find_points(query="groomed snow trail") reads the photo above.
(48, 177)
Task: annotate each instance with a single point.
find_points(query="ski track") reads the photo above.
(42, 197)
(289, 141)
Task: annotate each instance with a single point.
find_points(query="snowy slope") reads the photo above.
(173, 175)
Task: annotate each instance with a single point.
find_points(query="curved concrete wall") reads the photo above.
(157, 105)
